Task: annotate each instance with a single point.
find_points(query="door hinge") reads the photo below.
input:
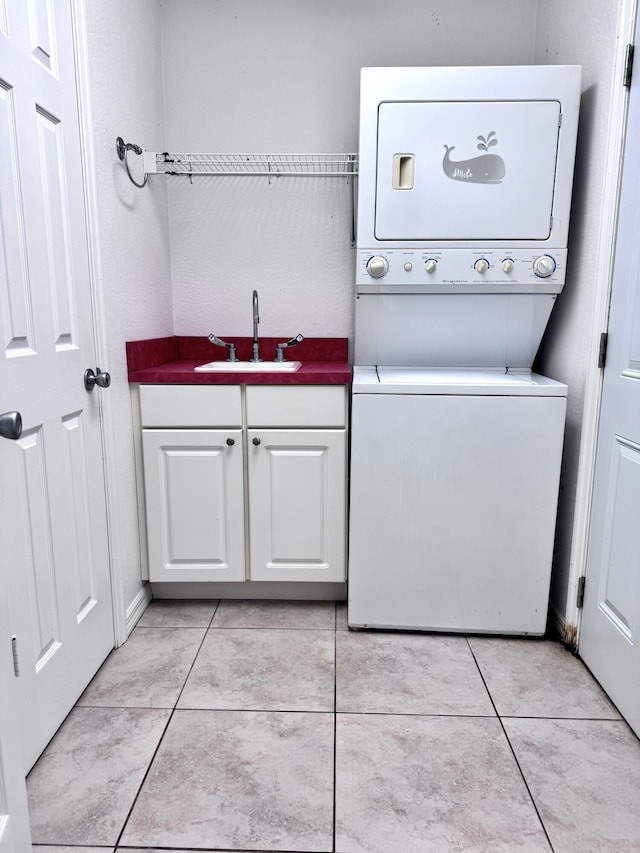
(14, 652)
(580, 596)
(628, 66)
(602, 351)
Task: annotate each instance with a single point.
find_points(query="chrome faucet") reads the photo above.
(256, 320)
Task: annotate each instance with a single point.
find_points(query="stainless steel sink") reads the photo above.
(249, 366)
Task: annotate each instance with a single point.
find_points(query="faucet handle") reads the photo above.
(279, 347)
(231, 347)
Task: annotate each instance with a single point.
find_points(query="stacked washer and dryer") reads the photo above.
(464, 195)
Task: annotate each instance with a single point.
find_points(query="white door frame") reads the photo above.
(603, 272)
(78, 12)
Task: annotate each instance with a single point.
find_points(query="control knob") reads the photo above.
(507, 265)
(481, 265)
(431, 265)
(544, 266)
(377, 267)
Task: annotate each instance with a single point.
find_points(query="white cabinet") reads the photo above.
(233, 497)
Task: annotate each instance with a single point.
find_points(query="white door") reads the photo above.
(14, 819)
(55, 563)
(610, 632)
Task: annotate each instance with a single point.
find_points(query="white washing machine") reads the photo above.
(456, 444)
(454, 484)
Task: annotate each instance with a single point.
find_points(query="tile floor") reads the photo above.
(268, 726)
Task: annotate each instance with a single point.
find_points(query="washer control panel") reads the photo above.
(462, 270)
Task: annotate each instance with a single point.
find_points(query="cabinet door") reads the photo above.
(297, 501)
(195, 504)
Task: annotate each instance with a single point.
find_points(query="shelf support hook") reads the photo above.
(123, 149)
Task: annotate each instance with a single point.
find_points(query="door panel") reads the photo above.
(297, 485)
(57, 227)
(52, 504)
(15, 292)
(85, 581)
(41, 33)
(14, 819)
(32, 515)
(195, 504)
(621, 542)
(610, 631)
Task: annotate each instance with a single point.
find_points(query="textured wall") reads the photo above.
(126, 100)
(582, 33)
(284, 77)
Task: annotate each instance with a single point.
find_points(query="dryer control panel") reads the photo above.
(502, 270)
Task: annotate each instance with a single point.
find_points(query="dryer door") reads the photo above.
(469, 170)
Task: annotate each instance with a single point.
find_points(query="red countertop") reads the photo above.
(172, 361)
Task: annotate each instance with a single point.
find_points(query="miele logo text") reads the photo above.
(485, 169)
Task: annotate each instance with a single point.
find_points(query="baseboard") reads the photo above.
(137, 607)
(254, 589)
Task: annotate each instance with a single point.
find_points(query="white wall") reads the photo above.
(126, 100)
(582, 33)
(283, 77)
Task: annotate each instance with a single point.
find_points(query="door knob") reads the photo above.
(256, 441)
(103, 380)
(230, 442)
(11, 425)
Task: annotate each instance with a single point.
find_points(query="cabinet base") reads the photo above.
(252, 589)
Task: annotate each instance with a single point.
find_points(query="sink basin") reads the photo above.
(250, 366)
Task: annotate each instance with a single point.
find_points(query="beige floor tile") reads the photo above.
(422, 763)
(263, 670)
(82, 787)
(400, 673)
(175, 613)
(275, 614)
(48, 849)
(539, 678)
(584, 776)
(239, 780)
(430, 785)
(148, 671)
(341, 616)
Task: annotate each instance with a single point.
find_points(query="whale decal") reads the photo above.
(484, 169)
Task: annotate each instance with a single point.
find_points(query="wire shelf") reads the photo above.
(271, 165)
